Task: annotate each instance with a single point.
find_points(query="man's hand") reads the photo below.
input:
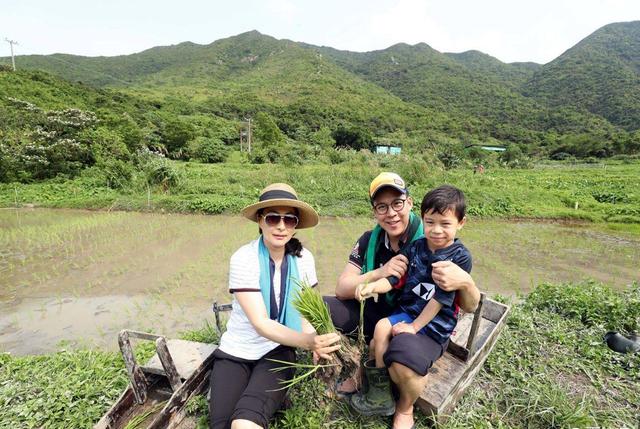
(450, 277)
(402, 327)
(396, 267)
(366, 290)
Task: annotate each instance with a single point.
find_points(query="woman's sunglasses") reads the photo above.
(273, 219)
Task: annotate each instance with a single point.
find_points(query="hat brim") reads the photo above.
(307, 215)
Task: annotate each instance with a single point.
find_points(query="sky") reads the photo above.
(510, 30)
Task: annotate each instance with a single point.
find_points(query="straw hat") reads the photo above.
(281, 194)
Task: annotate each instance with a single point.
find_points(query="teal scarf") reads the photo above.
(289, 316)
(414, 230)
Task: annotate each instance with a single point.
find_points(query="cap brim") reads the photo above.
(307, 215)
(388, 185)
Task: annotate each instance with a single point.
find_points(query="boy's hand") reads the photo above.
(402, 327)
(364, 291)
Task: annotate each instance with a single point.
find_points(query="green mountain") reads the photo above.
(479, 90)
(244, 74)
(600, 74)
(305, 87)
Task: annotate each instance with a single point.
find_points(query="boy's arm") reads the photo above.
(367, 290)
(426, 315)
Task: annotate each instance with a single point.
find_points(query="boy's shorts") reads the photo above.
(416, 352)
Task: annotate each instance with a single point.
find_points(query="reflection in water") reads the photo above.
(81, 276)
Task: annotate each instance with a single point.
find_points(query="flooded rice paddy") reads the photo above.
(75, 278)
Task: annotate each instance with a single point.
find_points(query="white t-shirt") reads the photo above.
(241, 339)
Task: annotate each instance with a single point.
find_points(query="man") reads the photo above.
(376, 255)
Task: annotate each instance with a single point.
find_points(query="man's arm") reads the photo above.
(450, 277)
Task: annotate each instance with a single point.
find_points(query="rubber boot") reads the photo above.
(377, 400)
(621, 344)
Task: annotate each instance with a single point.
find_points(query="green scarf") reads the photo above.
(414, 230)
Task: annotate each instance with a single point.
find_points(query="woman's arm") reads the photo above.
(351, 276)
(253, 306)
(451, 277)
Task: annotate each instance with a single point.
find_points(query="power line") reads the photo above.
(13, 60)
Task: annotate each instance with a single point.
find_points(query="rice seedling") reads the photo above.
(346, 359)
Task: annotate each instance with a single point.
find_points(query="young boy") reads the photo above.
(424, 308)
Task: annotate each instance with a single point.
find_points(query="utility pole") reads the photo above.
(13, 60)
(247, 134)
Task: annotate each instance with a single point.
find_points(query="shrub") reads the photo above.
(590, 302)
(209, 150)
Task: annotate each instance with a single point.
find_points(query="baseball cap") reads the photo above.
(387, 179)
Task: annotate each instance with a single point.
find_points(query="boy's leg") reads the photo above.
(409, 358)
(381, 338)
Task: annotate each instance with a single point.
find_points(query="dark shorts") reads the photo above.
(247, 389)
(416, 352)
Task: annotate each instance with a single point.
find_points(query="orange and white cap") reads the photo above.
(387, 179)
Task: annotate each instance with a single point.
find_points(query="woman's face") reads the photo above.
(394, 222)
(277, 224)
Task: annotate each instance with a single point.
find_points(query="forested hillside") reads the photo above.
(189, 101)
(600, 74)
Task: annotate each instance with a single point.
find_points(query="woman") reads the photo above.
(264, 276)
(376, 255)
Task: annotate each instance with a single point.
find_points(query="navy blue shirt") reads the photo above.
(419, 287)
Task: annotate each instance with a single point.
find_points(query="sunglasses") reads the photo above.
(273, 219)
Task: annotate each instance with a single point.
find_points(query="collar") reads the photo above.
(401, 242)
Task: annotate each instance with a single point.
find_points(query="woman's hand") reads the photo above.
(323, 345)
(402, 328)
(396, 267)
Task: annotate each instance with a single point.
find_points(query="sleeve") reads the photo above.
(307, 268)
(408, 252)
(444, 298)
(244, 271)
(463, 259)
(356, 257)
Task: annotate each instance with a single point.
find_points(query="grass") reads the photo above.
(606, 192)
(549, 369)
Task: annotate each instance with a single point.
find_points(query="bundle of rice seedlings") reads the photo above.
(346, 359)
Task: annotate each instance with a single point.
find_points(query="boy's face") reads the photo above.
(440, 229)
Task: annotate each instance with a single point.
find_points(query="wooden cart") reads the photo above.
(158, 392)
(469, 347)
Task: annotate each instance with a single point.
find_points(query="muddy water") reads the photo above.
(71, 277)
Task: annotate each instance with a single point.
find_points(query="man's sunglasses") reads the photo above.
(273, 219)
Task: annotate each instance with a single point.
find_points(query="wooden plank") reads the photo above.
(187, 355)
(450, 376)
(474, 326)
(495, 311)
